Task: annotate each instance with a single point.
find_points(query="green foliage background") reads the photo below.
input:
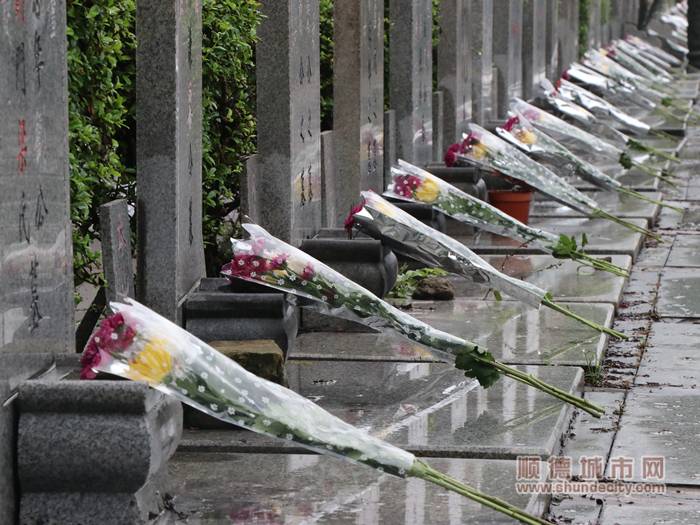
(101, 64)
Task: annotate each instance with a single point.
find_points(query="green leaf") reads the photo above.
(476, 365)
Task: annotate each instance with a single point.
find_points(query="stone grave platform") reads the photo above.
(679, 293)
(568, 281)
(306, 488)
(604, 237)
(623, 206)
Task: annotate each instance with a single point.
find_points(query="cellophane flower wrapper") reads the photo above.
(656, 71)
(620, 55)
(489, 151)
(600, 107)
(409, 236)
(576, 140)
(522, 134)
(266, 260)
(413, 184)
(643, 45)
(140, 345)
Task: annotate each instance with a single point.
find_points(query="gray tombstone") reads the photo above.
(36, 255)
(411, 78)
(454, 71)
(169, 152)
(358, 102)
(289, 133)
(507, 51)
(481, 27)
(594, 24)
(568, 33)
(390, 155)
(552, 40)
(534, 45)
(117, 262)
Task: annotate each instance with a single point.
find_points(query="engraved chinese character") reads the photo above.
(38, 60)
(653, 467)
(20, 69)
(303, 190)
(311, 186)
(24, 228)
(35, 312)
(36, 8)
(621, 467)
(528, 467)
(591, 467)
(41, 210)
(560, 467)
(191, 227)
(22, 140)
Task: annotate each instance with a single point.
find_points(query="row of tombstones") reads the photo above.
(300, 182)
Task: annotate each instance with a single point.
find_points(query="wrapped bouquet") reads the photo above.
(266, 260)
(406, 235)
(411, 183)
(138, 344)
(519, 132)
(486, 150)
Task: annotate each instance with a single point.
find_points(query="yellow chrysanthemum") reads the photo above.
(428, 191)
(152, 364)
(479, 151)
(526, 137)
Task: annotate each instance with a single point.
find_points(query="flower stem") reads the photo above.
(591, 324)
(598, 264)
(642, 197)
(598, 213)
(425, 472)
(591, 408)
(655, 174)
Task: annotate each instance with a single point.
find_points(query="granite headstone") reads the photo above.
(358, 102)
(169, 152)
(454, 71)
(534, 45)
(36, 255)
(552, 40)
(568, 33)
(117, 261)
(481, 27)
(288, 114)
(507, 51)
(411, 78)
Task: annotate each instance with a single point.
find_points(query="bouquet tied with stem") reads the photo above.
(406, 235)
(266, 260)
(485, 149)
(413, 184)
(519, 132)
(138, 344)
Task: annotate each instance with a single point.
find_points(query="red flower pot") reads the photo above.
(515, 203)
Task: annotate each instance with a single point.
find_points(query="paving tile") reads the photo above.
(661, 422)
(685, 252)
(672, 356)
(679, 506)
(679, 293)
(566, 280)
(292, 489)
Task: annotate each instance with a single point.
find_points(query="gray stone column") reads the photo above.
(534, 44)
(552, 40)
(289, 133)
(117, 263)
(481, 27)
(568, 33)
(454, 71)
(358, 102)
(507, 51)
(169, 152)
(411, 78)
(36, 255)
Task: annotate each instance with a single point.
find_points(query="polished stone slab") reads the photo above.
(612, 202)
(566, 280)
(679, 506)
(295, 489)
(634, 178)
(672, 356)
(679, 293)
(685, 252)
(427, 408)
(516, 333)
(604, 237)
(662, 423)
